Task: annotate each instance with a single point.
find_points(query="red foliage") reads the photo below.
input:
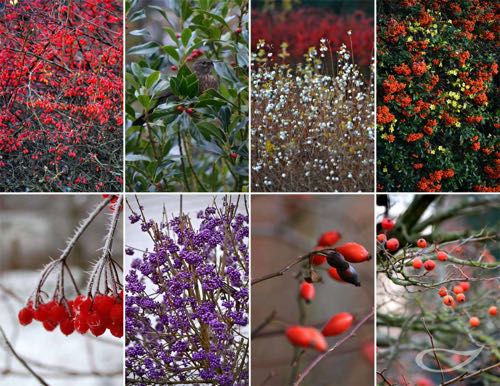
(61, 95)
(303, 28)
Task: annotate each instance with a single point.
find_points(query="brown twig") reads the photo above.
(322, 356)
(381, 374)
(283, 270)
(469, 375)
(434, 349)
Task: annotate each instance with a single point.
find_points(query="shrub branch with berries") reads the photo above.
(438, 287)
(100, 307)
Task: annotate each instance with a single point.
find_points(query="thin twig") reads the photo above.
(322, 356)
(469, 375)
(21, 360)
(282, 270)
(434, 350)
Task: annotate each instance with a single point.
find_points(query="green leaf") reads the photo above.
(186, 9)
(215, 17)
(212, 148)
(136, 16)
(225, 72)
(137, 157)
(225, 116)
(152, 79)
(144, 49)
(144, 100)
(137, 71)
(172, 51)
(186, 36)
(140, 32)
(130, 79)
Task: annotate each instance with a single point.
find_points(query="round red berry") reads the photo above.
(307, 291)
(392, 244)
(448, 300)
(387, 223)
(460, 298)
(25, 316)
(421, 243)
(465, 285)
(474, 322)
(329, 238)
(442, 256)
(443, 292)
(492, 311)
(354, 252)
(381, 238)
(417, 263)
(429, 265)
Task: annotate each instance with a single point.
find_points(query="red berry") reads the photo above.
(465, 285)
(49, 325)
(318, 341)
(237, 30)
(116, 313)
(329, 238)
(458, 289)
(492, 311)
(67, 327)
(387, 223)
(460, 298)
(368, 350)
(448, 300)
(381, 238)
(81, 325)
(173, 68)
(189, 111)
(318, 259)
(429, 265)
(116, 329)
(180, 108)
(442, 256)
(338, 324)
(417, 263)
(25, 316)
(306, 337)
(443, 292)
(307, 291)
(98, 330)
(354, 252)
(233, 155)
(474, 322)
(94, 320)
(392, 244)
(41, 313)
(422, 381)
(334, 274)
(421, 243)
(178, 36)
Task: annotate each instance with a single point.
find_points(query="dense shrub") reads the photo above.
(437, 117)
(61, 95)
(197, 139)
(311, 131)
(303, 28)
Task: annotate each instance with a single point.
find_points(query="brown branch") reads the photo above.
(381, 373)
(322, 356)
(284, 269)
(434, 350)
(264, 323)
(469, 375)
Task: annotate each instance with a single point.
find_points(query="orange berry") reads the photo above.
(465, 285)
(429, 265)
(307, 291)
(381, 238)
(460, 298)
(442, 256)
(354, 252)
(474, 322)
(338, 324)
(458, 289)
(448, 300)
(329, 238)
(417, 263)
(492, 311)
(443, 292)
(421, 243)
(392, 244)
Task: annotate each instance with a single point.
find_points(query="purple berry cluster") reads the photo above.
(187, 300)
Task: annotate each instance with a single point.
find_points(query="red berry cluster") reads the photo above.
(95, 314)
(340, 257)
(194, 54)
(112, 203)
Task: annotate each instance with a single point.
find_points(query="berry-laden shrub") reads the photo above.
(61, 95)
(311, 131)
(340, 261)
(100, 308)
(304, 27)
(187, 299)
(188, 121)
(437, 289)
(437, 119)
